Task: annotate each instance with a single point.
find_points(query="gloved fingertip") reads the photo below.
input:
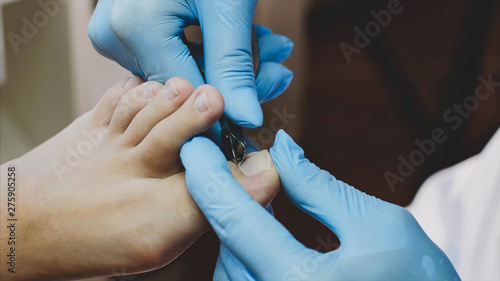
(251, 121)
(160, 77)
(288, 46)
(285, 48)
(287, 77)
(243, 108)
(195, 140)
(285, 151)
(186, 149)
(248, 119)
(286, 80)
(261, 30)
(281, 134)
(275, 48)
(91, 29)
(283, 141)
(195, 148)
(296, 172)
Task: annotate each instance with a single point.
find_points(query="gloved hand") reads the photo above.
(145, 37)
(379, 240)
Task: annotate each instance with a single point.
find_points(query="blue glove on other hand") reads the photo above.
(145, 37)
(379, 240)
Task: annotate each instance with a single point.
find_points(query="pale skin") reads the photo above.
(107, 195)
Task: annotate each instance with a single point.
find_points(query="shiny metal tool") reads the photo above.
(233, 139)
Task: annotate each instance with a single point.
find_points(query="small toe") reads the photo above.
(106, 105)
(175, 92)
(131, 103)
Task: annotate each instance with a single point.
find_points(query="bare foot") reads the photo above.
(107, 195)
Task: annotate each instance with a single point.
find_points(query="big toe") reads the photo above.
(258, 176)
(159, 150)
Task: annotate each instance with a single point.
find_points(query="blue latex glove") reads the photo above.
(145, 37)
(379, 240)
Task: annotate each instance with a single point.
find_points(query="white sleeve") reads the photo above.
(459, 209)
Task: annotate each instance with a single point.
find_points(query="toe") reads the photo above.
(133, 82)
(131, 103)
(105, 107)
(258, 176)
(160, 148)
(168, 100)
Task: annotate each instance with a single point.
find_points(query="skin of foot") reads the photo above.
(107, 195)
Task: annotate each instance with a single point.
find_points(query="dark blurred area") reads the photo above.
(358, 119)
(361, 116)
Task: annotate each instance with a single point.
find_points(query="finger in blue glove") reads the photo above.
(145, 37)
(379, 240)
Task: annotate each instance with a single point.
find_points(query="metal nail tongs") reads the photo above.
(233, 140)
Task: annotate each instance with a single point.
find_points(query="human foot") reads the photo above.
(107, 195)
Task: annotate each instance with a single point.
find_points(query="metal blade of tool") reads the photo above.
(233, 140)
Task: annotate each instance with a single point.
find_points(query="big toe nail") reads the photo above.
(256, 163)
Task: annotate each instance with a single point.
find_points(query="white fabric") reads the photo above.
(459, 209)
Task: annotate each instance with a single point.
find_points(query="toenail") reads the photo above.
(171, 92)
(201, 103)
(256, 163)
(148, 91)
(125, 86)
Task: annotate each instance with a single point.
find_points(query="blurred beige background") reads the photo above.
(53, 78)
